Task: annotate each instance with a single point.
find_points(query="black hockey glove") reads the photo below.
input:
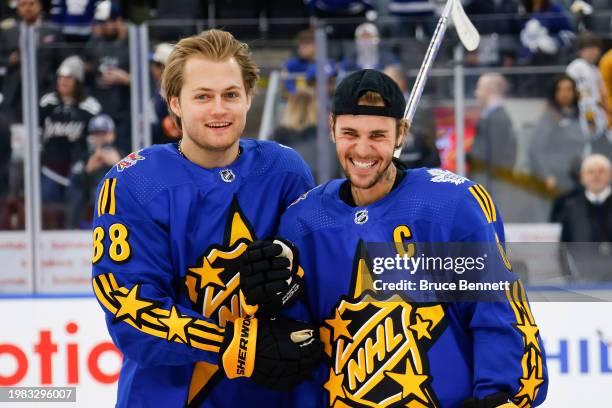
(270, 275)
(277, 353)
(497, 400)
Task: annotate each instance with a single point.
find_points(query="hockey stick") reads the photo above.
(469, 37)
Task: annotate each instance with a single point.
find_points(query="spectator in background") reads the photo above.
(108, 64)
(593, 98)
(367, 52)
(163, 128)
(75, 18)
(545, 30)
(412, 15)
(493, 152)
(587, 216)
(299, 63)
(89, 169)
(345, 14)
(49, 57)
(330, 72)
(557, 140)
(420, 148)
(64, 115)
(159, 56)
(298, 129)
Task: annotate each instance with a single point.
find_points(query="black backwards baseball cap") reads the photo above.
(348, 92)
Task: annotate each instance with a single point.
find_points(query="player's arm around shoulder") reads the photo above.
(509, 358)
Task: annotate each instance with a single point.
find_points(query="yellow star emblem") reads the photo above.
(340, 326)
(411, 383)
(421, 328)
(531, 334)
(131, 305)
(334, 386)
(529, 386)
(208, 275)
(177, 325)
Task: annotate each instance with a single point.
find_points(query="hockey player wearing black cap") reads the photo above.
(390, 347)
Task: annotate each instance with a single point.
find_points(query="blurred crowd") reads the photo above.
(567, 158)
(83, 68)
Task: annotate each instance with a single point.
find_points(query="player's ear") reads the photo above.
(249, 99)
(402, 133)
(175, 106)
(330, 122)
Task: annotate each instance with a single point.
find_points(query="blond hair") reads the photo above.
(301, 110)
(217, 45)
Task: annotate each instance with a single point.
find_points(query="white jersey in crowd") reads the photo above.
(593, 119)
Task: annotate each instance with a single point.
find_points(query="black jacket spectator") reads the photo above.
(64, 115)
(586, 215)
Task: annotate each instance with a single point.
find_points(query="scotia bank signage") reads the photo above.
(59, 343)
(64, 342)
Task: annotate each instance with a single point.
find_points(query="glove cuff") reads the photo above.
(238, 357)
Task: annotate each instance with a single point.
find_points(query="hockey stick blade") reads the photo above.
(468, 35)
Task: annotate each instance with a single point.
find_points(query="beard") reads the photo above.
(375, 180)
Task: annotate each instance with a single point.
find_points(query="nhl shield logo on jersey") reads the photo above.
(129, 160)
(227, 175)
(445, 176)
(361, 217)
(378, 347)
(379, 353)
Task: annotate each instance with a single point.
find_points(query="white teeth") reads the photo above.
(363, 165)
(218, 124)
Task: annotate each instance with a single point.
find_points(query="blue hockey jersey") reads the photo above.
(167, 238)
(384, 348)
